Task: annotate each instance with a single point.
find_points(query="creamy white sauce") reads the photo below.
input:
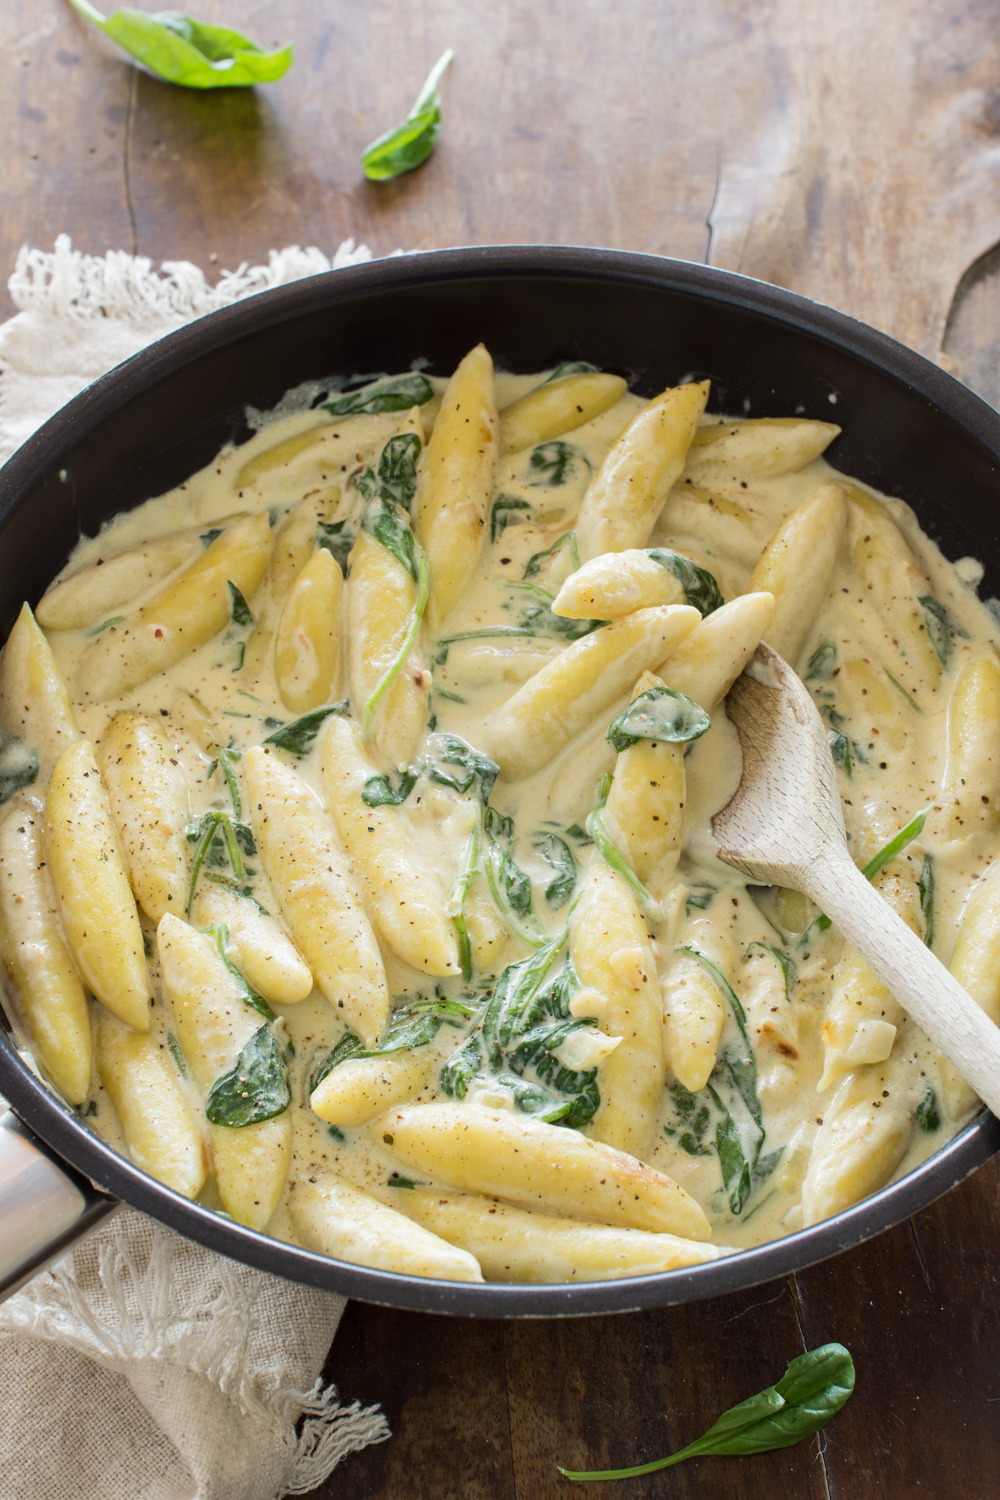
(479, 675)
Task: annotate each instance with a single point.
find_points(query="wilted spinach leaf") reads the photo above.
(380, 792)
(926, 887)
(461, 1068)
(822, 661)
(338, 537)
(387, 523)
(452, 761)
(692, 1118)
(239, 609)
(397, 468)
(552, 463)
(414, 1024)
(571, 367)
(504, 508)
(659, 713)
(699, 585)
(298, 736)
(928, 1114)
(700, 898)
(18, 767)
(558, 854)
(941, 628)
(255, 1089)
(397, 393)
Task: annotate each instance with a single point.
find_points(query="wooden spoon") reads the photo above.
(785, 827)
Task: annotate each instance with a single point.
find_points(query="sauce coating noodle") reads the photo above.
(413, 795)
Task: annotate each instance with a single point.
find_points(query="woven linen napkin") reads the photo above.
(143, 1367)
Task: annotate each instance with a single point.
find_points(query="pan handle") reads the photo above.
(45, 1206)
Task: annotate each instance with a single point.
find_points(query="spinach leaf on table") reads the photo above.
(409, 144)
(813, 1389)
(192, 53)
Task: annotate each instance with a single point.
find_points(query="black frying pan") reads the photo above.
(909, 429)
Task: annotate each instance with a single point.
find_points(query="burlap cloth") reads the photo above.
(144, 1367)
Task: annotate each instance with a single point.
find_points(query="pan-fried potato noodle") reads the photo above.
(356, 866)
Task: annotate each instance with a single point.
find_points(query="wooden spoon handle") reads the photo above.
(918, 980)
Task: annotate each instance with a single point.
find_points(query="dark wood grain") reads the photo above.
(848, 151)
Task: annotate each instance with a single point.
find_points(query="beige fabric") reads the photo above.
(144, 1367)
(147, 1368)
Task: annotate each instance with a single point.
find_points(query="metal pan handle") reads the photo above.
(45, 1206)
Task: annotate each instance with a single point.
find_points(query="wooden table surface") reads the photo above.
(846, 150)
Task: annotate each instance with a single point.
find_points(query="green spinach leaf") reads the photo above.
(509, 886)
(461, 1068)
(742, 1168)
(558, 855)
(338, 537)
(691, 1118)
(388, 524)
(525, 1023)
(106, 625)
(411, 143)
(189, 52)
(534, 564)
(552, 463)
(928, 1114)
(239, 610)
(174, 1048)
(700, 898)
(659, 713)
(504, 509)
(255, 1089)
(925, 885)
(452, 761)
(823, 661)
(813, 1389)
(379, 792)
(396, 393)
(571, 367)
(700, 587)
(613, 857)
(895, 846)
(941, 628)
(397, 469)
(414, 1024)
(787, 965)
(18, 767)
(298, 736)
